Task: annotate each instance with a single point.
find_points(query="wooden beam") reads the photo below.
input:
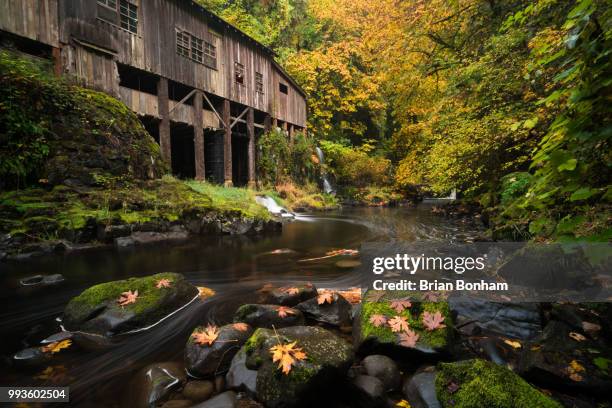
(57, 61)
(182, 101)
(214, 110)
(268, 123)
(239, 118)
(164, 124)
(251, 149)
(227, 145)
(198, 136)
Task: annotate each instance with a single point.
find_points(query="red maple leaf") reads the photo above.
(291, 291)
(206, 336)
(408, 339)
(400, 305)
(241, 326)
(284, 311)
(127, 297)
(433, 321)
(327, 297)
(163, 283)
(398, 324)
(378, 320)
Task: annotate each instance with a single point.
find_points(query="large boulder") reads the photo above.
(268, 316)
(373, 333)
(208, 360)
(97, 310)
(336, 313)
(383, 368)
(328, 358)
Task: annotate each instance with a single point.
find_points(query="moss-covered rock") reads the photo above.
(371, 338)
(97, 310)
(327, 359)
(479, 383)
(268, 316)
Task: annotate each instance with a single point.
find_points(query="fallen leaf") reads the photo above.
(590, 327)
(513, 343)
(378, 320)
(430, 297)
(577, 336)
(56, 347)
(163, 283)
(575, 377)
(268, 287)
(127, 297)
(398, 324)
(408, 339)
(54, 374)
(284, 311)
(286, 355)
(207, 336)
(241, 326)
(433, 321)
(327, 297)
(576, 367)
(205, 293)
(292, 291)
(399, 305)
(350, 252)
(403, 404)
(452, 387)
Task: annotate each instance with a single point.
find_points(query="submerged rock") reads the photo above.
(30, 357)
(337, 313)
(42, 280)
(153, 384)
(267, 316)
(198, 391)
(328, 359)
(207, 361)
(97, 311)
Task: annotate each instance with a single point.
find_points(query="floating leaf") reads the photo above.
(56, 347)
(378, 320)
(286, 355)
(433, 321)
(398, 324)
(207, 336)
(127, 297)
(163, 283)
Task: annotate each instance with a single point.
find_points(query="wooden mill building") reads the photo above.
(202, 88)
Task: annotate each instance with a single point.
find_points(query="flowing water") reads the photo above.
(235, 267)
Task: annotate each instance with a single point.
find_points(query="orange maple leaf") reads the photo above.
(400, 305)
(286, 355)
(284, 311)
(127, 298)
(327, 297)
(292, 291)
(398, 324)
(408, 339)
(207, 336)
(241, 326)
(433, 321)
(163, 283)
(378, 320)
(56, 347)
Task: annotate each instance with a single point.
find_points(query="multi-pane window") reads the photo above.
(210, 55)
(259, 85)
(183, 41)
(196, 49)
(109, 3)
(239, 73)
(128, 15)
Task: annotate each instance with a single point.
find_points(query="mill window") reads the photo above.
(210, 55)
(109, 3)
(128, 14)
(283, 88)
(239, 73)
(259, 85)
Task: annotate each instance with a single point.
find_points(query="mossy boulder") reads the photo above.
(480, 383)
(291, 296)
(268, 316)
(328, 358)
(372, 339)
(97, 311)
(208, 361)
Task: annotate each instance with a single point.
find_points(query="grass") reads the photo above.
(230, 199)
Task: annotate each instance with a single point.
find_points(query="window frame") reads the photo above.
(239, 79)
(104, 3)
(259, 83)
(284, 86)
(125, 16)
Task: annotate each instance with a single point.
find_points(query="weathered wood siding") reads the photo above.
(33, 19)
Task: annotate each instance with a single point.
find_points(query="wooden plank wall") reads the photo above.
(33, 19)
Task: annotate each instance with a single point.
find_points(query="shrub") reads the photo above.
(354, 166)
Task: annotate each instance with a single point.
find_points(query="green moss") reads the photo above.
(484, 384)
(241, 200)
(255, 341)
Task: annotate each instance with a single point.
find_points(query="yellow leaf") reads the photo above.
(57, 346)
(576, 367)
(403, 404)
(513, 343)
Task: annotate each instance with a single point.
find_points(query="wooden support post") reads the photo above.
(251, 151)
(267, 123)
(198, 135)
(291, 133)
(227, 145)
(164, 124)
(274, 123)
(57, 61)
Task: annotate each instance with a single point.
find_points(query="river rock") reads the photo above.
(480, 383)
(207, 361)
(177, 404)
(227, 399)
(561, 357)
(337, 313)
(383, 368)
(420, 390)
(42, 280)
(267, 316)
(30, 357)
(63, 335)
(327, 362)
(97, 311)
(153, 384)
(198, 391)
(370, 339)
(515, 320)
(372, 386)
(292, 295)
(239, 377)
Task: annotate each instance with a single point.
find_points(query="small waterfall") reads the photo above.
(273, 207)
(327, 187)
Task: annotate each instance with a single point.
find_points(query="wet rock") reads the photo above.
(220, 383)
(292, 295)
(420, 390)
(198, 391)
(42, 280)
(154, 384)
(480, 383)
(514, 320)
(431, 345)
(337, 313)
(96, 310)
(30, 357)
(328, 359)
(266, 316)
(383, 368)
(227, 399)
(64, 335)
(372, 386)
(110, 232)
(240, 377)
(204, 361)
(150, 237)
(178, 404)
(560, 358)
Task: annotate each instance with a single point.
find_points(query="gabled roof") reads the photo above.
(212, 16)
